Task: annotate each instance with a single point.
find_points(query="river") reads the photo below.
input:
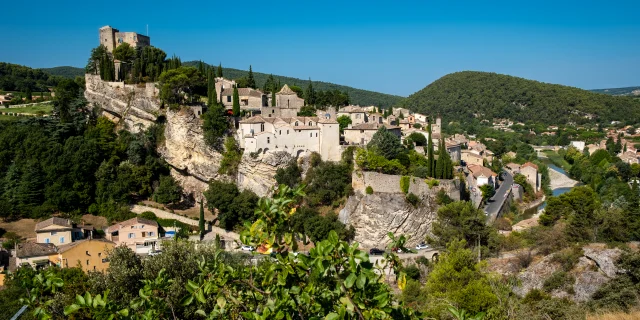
(556, 192)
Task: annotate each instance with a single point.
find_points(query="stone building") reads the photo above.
(34, 254)
(355, 113)
(363, 133)
(479, 176)
(294, 135)
(221, 85)
(530, 171)
(112, 38)
(250, 99)
(89, 254)
(288, 104)
(61, 231)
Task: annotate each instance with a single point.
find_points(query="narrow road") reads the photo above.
(495, 203)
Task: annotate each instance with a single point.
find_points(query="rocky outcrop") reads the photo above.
(193, 162)
(132, 107)
(594, 268)
(258, 173)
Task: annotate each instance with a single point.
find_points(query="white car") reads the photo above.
(422, 246)
(247, 248)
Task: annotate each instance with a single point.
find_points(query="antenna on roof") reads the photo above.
(147, 30)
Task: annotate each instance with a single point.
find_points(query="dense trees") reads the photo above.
(14, 77)
(462, 95)
(461, 220)
(386, 144)
(233, 207)
(181, 86)
(168, 191)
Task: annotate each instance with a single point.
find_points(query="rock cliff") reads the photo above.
(193, 162)
(257, 174)
(132, 107)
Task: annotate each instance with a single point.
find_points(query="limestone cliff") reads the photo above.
(257, 174)
(193, 162)
(386, 210)
(132, 107)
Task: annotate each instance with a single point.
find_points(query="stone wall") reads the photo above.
(387, 183)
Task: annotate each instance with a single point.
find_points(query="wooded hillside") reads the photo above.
(462, 95)
(65, 71)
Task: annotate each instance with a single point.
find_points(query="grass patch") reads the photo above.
(34, 109)
(557, 159)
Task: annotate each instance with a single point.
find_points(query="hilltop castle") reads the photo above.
(111, 38)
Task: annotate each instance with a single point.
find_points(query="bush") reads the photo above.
(432, 183)
(369, 190)
(568, 258)
(558, 280)
(423, 261)
(442, 198)
(404, 184)
(421, 172)
(524, 259)
(412, 272)
(149, 215)
(503, 224)
(413, 199)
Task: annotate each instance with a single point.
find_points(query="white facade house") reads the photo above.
(357, 114)
(578, 145)
(294, 135)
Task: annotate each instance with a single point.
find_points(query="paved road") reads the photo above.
(493, 208)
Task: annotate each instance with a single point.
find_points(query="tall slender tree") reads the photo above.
(236, 102)
(211, 88)
(251, 82)
(219, 74)
(430, 166)
(310, 94)
(201, 221)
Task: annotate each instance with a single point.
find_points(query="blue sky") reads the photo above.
(394, 47)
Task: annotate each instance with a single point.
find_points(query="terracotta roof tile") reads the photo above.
(66, 223)
(32, 249)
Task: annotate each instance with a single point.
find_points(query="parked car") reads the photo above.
(247, 248)
(422, 246)
(375, 252)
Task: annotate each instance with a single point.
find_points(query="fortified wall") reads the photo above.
(386, 210)
(133, 107)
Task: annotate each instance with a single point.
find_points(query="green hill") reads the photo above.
(628, 91)
(15, 77)
(65, 71)
(462, 96)
(357, 96)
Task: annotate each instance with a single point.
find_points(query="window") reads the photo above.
(53, 233)
(316, 134)
(273, 110)
(99, 254)
(310, 123)
(61, 239)
(47, 240)
(228, 98)
(268, 140)
(311, 134)
(133, 227)
(280, 132)
(151, 234)
(87, 252)
(105, 260)
(287, 131)
(261, 127)
(296, 123)
(132, 235)
(357, 116)
(94, 268)
(87, 262)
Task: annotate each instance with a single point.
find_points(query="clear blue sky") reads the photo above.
(394, 47)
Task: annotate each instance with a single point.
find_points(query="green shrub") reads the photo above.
(421, 172)
(412, 272)
(369, 190)
(558, 280)
(413, 199)
(568, 257)
(432, 183)
(404, 184)
(442, 198)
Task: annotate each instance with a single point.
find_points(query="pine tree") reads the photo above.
(201, 222)
(201, 67)
(430, 167)
(236, 102)
(219, 75)
(251, 82)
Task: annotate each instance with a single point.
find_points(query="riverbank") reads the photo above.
(559, 180)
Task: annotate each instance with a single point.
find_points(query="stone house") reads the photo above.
(60, 231)
(530, 171)
(454, 150)
(471, 158)
(375, 118)
(34, 254)
(294, 135)
(355, 113)
(363, 133)
(514, 168)
(411, 119)
(111, 38)
(404, 124)
(89, 254)
(421, 117)
(139, 234)
(250, 99)
(288, 104)
(578, 145)
(391, 120)
(629, 157)
(398, 111)
(221, 85)
(479, 176)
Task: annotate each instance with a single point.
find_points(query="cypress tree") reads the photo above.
(430, 167)
(273, 98)
(251, 82)
(201, 67)
(310, 94)
(211, 88)
(219, 75)
(236, 102)
(439, 163)
(201, 222)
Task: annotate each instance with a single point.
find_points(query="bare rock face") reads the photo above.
(535, 275)
(375, 215)
(194, 163)
(258, 174)
(132, 107)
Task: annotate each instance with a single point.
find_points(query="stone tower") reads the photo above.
(107, 36)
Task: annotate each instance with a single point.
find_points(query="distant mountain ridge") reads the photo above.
(465, 96)
(627, 91)
(357, 96)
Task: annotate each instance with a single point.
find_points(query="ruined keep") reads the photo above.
(111, 38)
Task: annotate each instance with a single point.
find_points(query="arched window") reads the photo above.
(310, 123)
(296, 123)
